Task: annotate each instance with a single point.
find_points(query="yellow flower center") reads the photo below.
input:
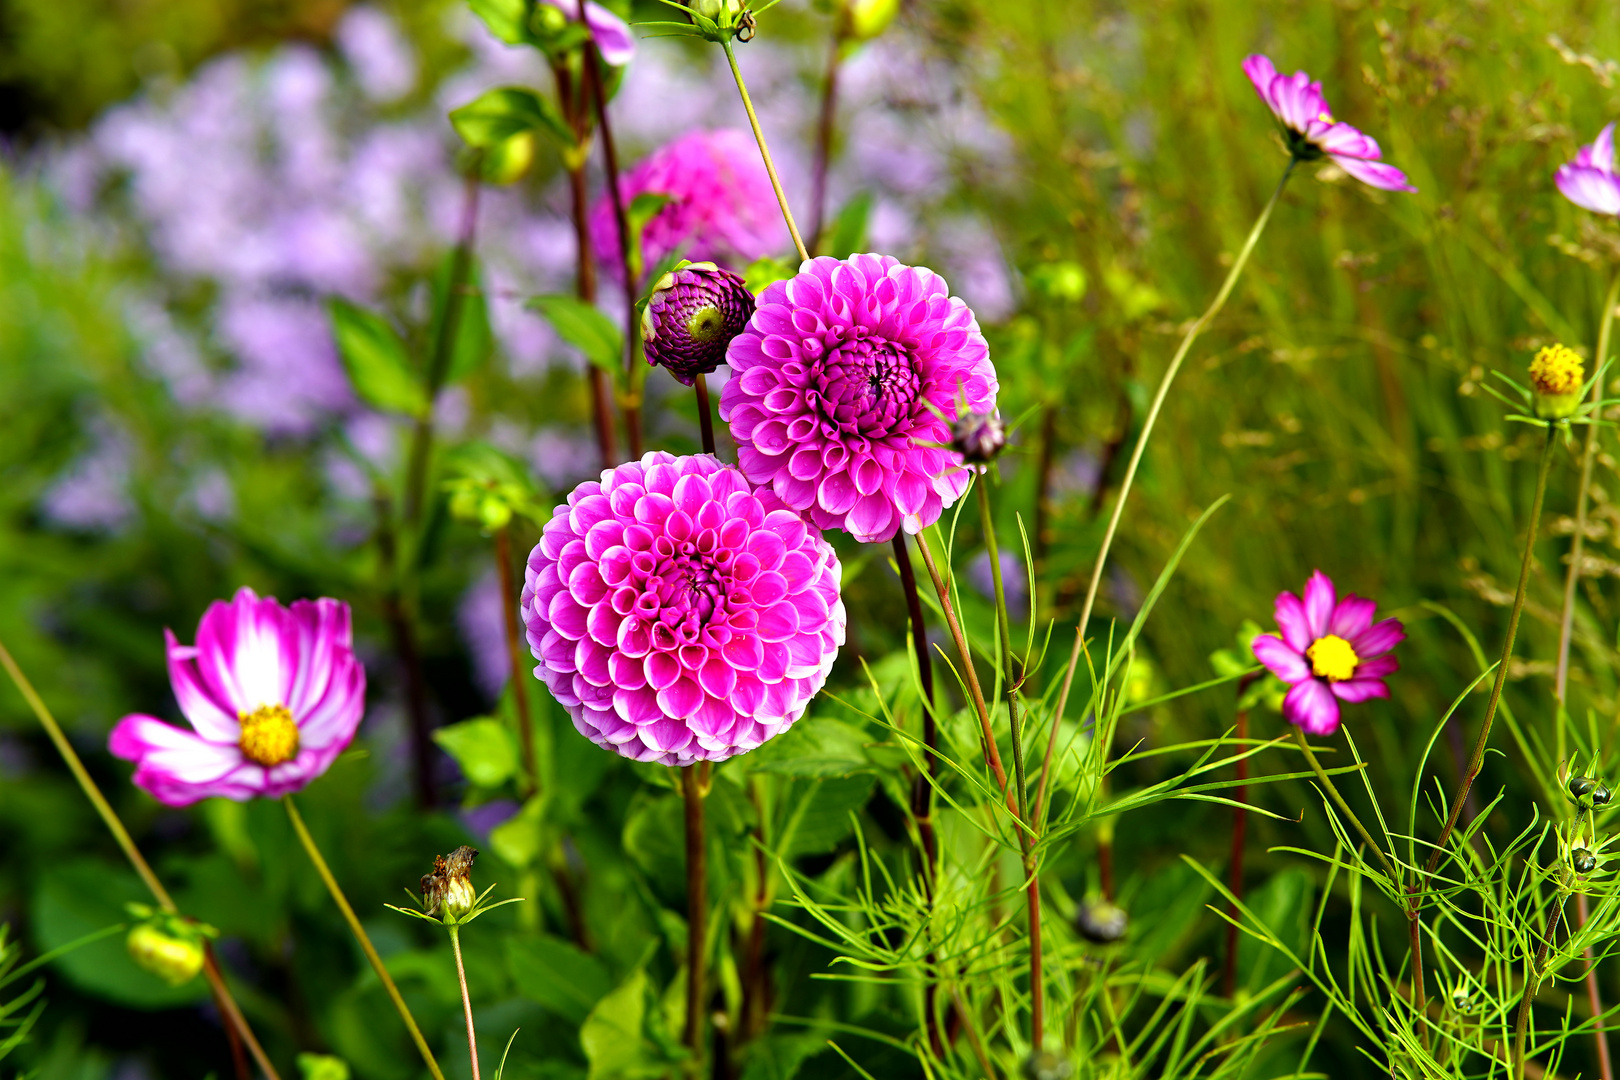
(1325, 117)
(269, 735)
(1557, 371)
(1332, 658)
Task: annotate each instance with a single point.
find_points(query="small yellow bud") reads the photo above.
(1556, 375)
(864, 20)
(168, 948)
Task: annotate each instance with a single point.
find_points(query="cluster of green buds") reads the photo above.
(488, 489)
(1579, 846)
(448, 896)
(170, 946)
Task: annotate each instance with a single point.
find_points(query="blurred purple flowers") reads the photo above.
(273, 694)
(678, 613)
(844, 386)
(721, 207)
(1590, 181)
(1327, 651)
(1311, 131)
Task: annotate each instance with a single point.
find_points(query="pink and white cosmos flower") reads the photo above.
(272, 694)
(679, 613)
(1590, 181)
(1311, 131)
(1328, 650)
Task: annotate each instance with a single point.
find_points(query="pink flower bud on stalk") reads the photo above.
(690, 318)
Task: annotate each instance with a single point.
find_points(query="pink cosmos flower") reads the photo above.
(611, 33)
(272, 694)
(680, 614)
(1311, 131)
(1328, 651)
(722, 208)
(1590, 181)
(844, 388)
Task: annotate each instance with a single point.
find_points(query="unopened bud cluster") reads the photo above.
(979, 437)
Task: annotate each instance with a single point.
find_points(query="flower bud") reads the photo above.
(978, 437)
(448, 891)
(1600, 795)
(1581, 786)
(1583, 860)
(692, 315)
(1556, 375)
(1101, 922)
(1461, 1000)
(1045, 1065)
(863, 20)
(169, 947)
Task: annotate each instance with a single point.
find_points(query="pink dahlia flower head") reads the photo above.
(272, 694)
(1310, 130)
(844, 387)
(1328, 650)
(1590, 181)
(679, 613)
(722, 207)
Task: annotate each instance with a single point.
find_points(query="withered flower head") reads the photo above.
(448, 890)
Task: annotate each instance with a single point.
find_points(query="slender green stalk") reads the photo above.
(765, 153)
(1344, 807)
(694, 787)
(466, 998)
(1566, 621)
(360, 935)
(1476, 761)
(216, 980)
(1159, 396)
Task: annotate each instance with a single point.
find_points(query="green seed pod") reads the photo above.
(1581, 786)
(166, 949)
(1583, 861)
(1045, 1065)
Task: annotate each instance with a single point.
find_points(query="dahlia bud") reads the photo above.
(1101, 922)
(169, 946)
(448, 891)
(979, 437)
(692, 315)
(1556, 375)
(1045, 1065)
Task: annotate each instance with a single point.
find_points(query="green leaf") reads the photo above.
(642, 209)
(507, 111)
(815, 746)
(611, 1035)
(517, 840)
(762, 273)
(586, 328)
(378, 364)
(820, 820)
(474, 342)
(506, 19)
(558, 976)
(484, 748)
(322, 1067)
(848, 233)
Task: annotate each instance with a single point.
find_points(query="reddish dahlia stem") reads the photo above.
(705, 412)
(824, 138)
(756, 1004)
(514, 653)
(693, 789)
(585, 272)
(1593, 998)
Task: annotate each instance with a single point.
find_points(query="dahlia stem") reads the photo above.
(1159, 396)
(705, 412)
(694, 787)
(621, 219)
(1344, 807)
(1566, 622)
(824, 137)
(1476, 760)
(922, 784)
(585, 272)
(109, 817)
(1240, 823)
(514, 654)
(755, 978)
(765, 153)
(403, 631)
(466, 999)
(360, 935)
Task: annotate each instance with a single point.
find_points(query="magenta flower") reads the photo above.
(1328, 651)
(678, 613)
(722, 208)
(844, 388)
(611, 33)
(1590, 181)
(1311, 131)
(273, 695)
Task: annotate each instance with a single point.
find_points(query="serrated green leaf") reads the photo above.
(378, 364)
(507, 111)
(585, 327)
(483, 747)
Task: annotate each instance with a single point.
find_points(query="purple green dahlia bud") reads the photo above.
(692, 315)
(978, 437)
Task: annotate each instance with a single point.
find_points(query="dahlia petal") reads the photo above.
(872, 520)
(1281, 659)
(1311, 705)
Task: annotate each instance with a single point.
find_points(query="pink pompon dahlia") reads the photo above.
(722, 207)
(1590, 181)
(1328, 650)
(679, 613)
(1310, 130)
(844, 388)
(272, 694)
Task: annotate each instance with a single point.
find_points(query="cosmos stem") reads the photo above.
(109, 817)
(361, 936)
(466, 999)
(765, 152)
(1344, 808)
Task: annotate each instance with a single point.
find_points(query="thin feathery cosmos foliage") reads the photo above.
(796, 513)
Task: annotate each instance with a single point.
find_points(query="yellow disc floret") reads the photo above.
(1332, 658)
(1557, 371)
(269, 735)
